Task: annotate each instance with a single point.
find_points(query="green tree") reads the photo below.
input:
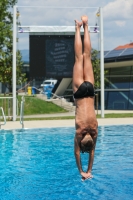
(6, 21)
(96, 68)
(6, 46)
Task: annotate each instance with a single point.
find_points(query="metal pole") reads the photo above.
(102, 62)
(14, 64)
(54, 7)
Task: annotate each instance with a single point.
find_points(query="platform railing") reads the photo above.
(3, 115)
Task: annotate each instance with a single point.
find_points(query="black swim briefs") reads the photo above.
(86, 89)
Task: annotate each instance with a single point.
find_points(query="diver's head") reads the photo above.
(86, 144)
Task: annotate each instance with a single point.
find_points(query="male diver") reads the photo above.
(83, 89)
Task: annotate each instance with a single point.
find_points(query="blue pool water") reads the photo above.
(39, 164)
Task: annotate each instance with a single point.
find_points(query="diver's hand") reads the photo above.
(86, 175)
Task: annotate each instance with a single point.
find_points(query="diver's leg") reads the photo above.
(88, 70)
(78, 66)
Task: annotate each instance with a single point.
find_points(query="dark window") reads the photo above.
(116, 100)
(131, 83)
(120, 71)
(117, 83)
(130, 104)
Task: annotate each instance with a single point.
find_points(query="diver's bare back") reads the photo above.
(85, 115)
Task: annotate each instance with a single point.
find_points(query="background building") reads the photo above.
(118, 81)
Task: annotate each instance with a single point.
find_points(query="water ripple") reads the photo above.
(39, 164)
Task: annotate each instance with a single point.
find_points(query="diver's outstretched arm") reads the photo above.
(77, 154)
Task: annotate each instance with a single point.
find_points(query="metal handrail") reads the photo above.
(60, 97)
(6, 97)
(22, 112)
(3, 117)
(37, 89)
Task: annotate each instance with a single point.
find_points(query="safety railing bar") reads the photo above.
(7, 116)
(3, 117)
(21, 115)
(6, 97)
(37, 89)
(60, 97)
(22, 112)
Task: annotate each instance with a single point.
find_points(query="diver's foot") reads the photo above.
(84, 19)
(77, 24)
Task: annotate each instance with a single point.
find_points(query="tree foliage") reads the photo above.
(6, 46)
(6, 21)
(96, 68)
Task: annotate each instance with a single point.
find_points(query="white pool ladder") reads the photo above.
(22, 112)
(3, 117)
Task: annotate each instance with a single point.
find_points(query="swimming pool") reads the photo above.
(39, 164)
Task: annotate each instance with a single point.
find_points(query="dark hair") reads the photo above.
(86, 144)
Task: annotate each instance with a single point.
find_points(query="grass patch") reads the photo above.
(33, 106)
(110, 115)
(48, 118)
(117, 115)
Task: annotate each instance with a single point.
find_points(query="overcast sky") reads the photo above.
(117, 18)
